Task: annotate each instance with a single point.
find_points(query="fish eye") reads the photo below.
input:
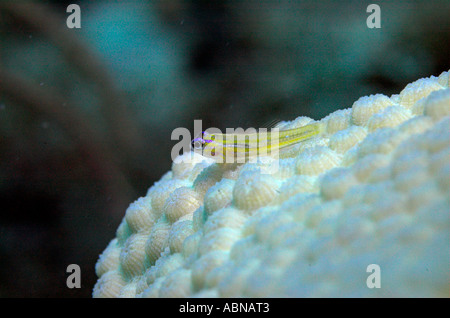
(197, 143)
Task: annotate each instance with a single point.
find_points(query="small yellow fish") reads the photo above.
(240, 147)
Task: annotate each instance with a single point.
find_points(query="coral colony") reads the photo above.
(371, 191)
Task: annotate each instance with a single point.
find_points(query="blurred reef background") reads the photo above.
(86, 115)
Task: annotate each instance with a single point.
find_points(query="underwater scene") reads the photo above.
(224, 149)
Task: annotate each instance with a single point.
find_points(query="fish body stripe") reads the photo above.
(263, 143)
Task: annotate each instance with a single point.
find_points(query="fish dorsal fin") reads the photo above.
(271, 123)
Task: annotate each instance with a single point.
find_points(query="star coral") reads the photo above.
(373, 189)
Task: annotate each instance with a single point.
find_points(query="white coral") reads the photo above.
(374, 188)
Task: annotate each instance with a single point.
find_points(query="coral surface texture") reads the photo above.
(373, 188)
